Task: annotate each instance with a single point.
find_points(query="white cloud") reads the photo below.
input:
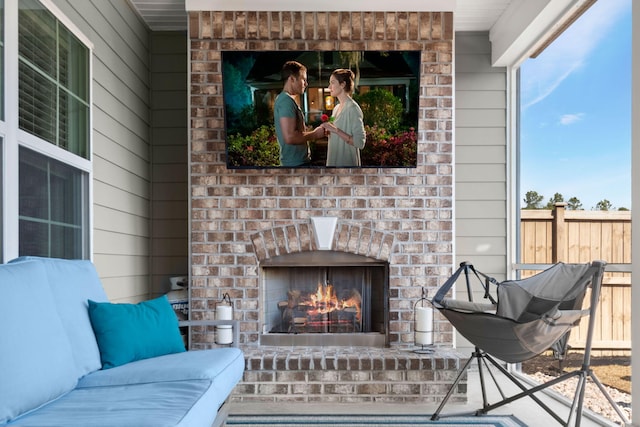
(569, 119)
(570, 51)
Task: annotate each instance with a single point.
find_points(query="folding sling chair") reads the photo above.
(520, 319)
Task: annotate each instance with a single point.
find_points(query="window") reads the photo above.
(575, 131)
(54, 80)
(1, 59)
(46, 165)
(52, 196)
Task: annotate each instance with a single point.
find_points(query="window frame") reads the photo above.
(13, 137)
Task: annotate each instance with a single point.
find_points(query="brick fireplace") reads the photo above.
(242, 219)
(354, 267)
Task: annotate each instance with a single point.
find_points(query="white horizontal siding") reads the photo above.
(121, 244)
(484, 137)
(480, 165)
(481, 191)
(170, 206)
(116, 199)
(488, 173)
(480, 117)
(466, 209)
(120, 152)
(481, 154)
(491, 227)
(469, 80)
(125, 115)
(482, 99)
(116, 221)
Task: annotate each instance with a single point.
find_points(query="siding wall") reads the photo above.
(121, 150)
(480, 159)
(170, 232)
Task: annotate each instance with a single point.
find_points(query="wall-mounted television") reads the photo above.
(387, 91)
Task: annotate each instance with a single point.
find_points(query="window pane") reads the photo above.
(54, 80)
(1, 59)
(37, 37)
(2, 209)
(34, 239)
(73, 124)
(74, 65)
(38, 104)
(65, 241)
(65, 183)
(33, 187)
(52, 207)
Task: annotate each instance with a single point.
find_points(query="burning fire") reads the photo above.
(325, 300)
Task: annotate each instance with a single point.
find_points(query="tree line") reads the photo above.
(533, 200)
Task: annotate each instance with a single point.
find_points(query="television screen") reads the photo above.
(386, 90)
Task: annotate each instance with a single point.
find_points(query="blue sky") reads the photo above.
(575, 133)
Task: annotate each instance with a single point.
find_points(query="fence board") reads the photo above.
(549, 236)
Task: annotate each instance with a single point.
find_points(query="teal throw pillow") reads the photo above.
(129, 332)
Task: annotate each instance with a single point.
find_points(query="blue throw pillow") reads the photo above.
(129, 332)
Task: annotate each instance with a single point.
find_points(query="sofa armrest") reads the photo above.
(234, 323)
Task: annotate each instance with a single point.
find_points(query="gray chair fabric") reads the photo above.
(520, 319)
(530, 316)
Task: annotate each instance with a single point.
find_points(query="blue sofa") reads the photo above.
(70, 358)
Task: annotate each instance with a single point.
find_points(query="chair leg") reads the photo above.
(436, 414)
(578, 400)
(606, 395)
(525, 392)
(478, 356)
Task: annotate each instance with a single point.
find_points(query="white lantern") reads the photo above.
(224, 311)
(423, 324)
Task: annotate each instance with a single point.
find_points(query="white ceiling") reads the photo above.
(469, 15)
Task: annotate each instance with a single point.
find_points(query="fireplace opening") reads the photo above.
(325, 299)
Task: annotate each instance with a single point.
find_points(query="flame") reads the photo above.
(325, 300)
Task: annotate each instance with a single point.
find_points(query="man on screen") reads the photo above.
(288, 118)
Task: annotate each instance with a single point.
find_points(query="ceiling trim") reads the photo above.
(525, 26)
(563, 26)
(322, 6)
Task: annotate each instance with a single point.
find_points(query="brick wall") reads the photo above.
(230, 207)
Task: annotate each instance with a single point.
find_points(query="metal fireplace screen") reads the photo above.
(325, 299)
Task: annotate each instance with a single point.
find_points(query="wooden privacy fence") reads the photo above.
(550, 236)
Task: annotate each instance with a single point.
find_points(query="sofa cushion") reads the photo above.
(223, 365)
(73, 283)
(36, 360)
(127, 332)
(163, 404)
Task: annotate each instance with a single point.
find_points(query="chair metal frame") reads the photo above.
(485, 361)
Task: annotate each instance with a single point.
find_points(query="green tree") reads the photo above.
(574, 204)
(234, 76)
(557, 198)
(260, 148)
(380, 108)
(532, 200)
(604, 205)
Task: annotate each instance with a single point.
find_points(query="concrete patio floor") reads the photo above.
(525, 409)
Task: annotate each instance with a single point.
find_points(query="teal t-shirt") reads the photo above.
(290, 155)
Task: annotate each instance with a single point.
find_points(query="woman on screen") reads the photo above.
(346, 129)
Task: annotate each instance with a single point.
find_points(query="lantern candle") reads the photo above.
(224, 332)
(424, 325)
